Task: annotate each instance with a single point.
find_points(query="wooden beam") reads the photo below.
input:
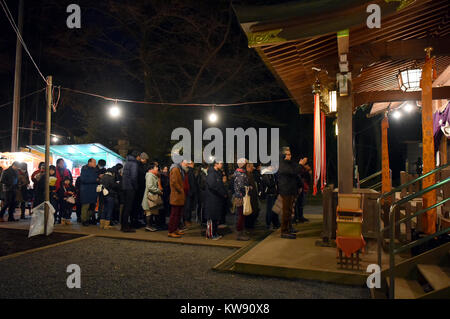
(300, 20)
(345, 142)
(439, 93)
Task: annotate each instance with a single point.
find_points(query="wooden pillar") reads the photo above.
(345, 142)
(428, 142)
(443, 151)
(386, 185)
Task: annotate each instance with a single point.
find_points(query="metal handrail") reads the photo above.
(392, 224)
(399, 188)
(391, 227)
(421, 192)
(369, 177)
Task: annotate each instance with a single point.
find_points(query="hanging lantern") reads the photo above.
(409, 79)
(332, 101)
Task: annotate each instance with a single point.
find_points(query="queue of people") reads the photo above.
(140, 193)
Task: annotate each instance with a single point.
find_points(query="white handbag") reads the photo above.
(102, 189)
(247, 203)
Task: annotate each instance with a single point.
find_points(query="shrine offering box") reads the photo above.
(349, 229)
(349, 201)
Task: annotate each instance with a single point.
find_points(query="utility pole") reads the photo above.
(47, 150)
(17, 84)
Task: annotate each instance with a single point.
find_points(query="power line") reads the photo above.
(169, 103)
(19, 36)
(22, 97)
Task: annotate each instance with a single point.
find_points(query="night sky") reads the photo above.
(157, 51)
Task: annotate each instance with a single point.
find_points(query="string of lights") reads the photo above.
(106, 98)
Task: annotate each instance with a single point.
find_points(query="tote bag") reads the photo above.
(278, 206)
(247, 203)
(154, 200)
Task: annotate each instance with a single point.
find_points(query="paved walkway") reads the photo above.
(112, 268)
(192, 237)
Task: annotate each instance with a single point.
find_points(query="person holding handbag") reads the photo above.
(108, 195)
(152, 200)
(240, 182)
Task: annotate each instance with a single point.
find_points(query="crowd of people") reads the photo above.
(141, 193)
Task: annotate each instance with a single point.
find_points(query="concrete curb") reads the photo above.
(20, 253)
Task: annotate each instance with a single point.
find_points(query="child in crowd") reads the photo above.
(66, 192)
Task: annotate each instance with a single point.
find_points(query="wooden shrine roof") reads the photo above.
(306, 38)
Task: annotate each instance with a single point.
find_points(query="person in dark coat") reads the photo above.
(288, 188)
(304, 180)
(88, 190)
(40, 189)
(138, 212)
(101, 170)
(78, 199)
(22, 191)
(66, 192)
(130, 186)
(9, 181)
(108, 180)
(119, 199)
(201, 182)
(61, 173)
(191, 197)
(216, 195)
(165, 212)
(251, 219)
(270, 190)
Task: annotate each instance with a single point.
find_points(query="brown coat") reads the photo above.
(177, 196)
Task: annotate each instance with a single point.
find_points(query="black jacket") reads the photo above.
(130, 174)
(9, 180)
(109, 182)
(288, 177)
(269, 184)
(215, 194)
(193, 185)
(142, 171)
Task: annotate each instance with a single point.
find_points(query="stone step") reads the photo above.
(407, 289)
(438, 277)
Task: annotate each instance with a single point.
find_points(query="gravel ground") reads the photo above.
(114, 268)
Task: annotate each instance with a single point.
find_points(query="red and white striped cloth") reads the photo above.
(319, 146)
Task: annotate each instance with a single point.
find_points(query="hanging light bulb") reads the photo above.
(114, 110)
(397, 114)
(55, 139)
(213, 116)
(409, 107)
